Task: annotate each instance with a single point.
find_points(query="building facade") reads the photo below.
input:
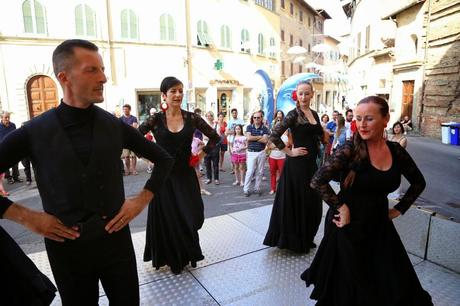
(371, 52)
(303, 26)
(224, 62)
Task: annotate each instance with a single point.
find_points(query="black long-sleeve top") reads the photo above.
(340, 162)
(78, 125)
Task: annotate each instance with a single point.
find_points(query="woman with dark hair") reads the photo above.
(176, 213)
(398, 134)
(279, 116)
(297, 208)
(361, 259)
(324, 120)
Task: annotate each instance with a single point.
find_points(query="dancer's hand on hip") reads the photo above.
(343, 217)
(393, 213)
(129, 210)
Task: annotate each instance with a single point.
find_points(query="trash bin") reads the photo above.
(445, 132)
(455, 134)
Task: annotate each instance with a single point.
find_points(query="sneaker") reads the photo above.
(205, 192)
(217, 182)
(18, 180)
(236, 183)
(271, 192)
(264, 178)
(207, 181)
(247, 194)
(149, 170)
(29, 183)
(10, 180)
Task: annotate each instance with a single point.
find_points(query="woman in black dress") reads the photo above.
(176, 213)
(297, 209)
(361, 260)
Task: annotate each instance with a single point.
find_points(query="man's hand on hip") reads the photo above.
(129, 210)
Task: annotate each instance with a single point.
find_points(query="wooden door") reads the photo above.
(42, 95)
(407, 98)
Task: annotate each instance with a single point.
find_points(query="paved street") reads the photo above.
(440, 165)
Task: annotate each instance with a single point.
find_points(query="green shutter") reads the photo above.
(133, 25)
(40, 18)
(90, 21)
(229, 38)
(27, 16)
(124, 24)
(222, 36)
(79, 30)
(171, 29)
(162, 27)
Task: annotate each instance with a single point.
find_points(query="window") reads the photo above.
(309, 48)
(283, 5)
(34, 17)
(292, 68)
(268, 4)
(245, 41)
(283, 68)
(167, 28)
(129, 27)
(282, 35)
(291, 40)
(203, 37)
(291, 8)
(300, 43)
(85, 20)
(309, 21)
(301, 16)
(272, 47)
(260, 44)
(368, 34)
(225, 37)
(300, 68)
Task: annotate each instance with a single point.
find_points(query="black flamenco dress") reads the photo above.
(176, 213)
(297, 208)
(365, 263)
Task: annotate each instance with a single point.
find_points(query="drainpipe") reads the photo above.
(113, 74)
(188, 47)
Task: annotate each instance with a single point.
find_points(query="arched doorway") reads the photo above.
(42, 95)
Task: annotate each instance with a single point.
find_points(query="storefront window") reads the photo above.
(147, 100)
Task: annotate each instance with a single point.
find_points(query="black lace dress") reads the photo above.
(176, 213)
(365, 263)
(297, 208)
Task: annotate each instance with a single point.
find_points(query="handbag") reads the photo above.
(194, 160)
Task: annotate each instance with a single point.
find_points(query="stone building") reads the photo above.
(441, 90)
(223, 61)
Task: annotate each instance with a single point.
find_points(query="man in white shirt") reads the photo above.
(348, 120)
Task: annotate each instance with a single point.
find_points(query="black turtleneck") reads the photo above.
(78, 125)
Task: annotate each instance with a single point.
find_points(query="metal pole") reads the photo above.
(188, 47)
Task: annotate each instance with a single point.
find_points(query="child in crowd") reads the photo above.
(197, 146)
(238, 154)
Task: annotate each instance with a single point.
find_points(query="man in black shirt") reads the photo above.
(75, 150)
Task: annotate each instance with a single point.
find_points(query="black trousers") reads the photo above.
(26, 163)
(14, 175)
(211, 162)
(79, 265)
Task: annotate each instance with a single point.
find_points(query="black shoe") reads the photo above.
(247, 194)
(259, 192)
(29, 183)
(10, 180)
(18, 180)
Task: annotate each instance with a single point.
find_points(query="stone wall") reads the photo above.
(441, 93)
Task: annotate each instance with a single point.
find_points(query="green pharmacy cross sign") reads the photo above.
(218, 65)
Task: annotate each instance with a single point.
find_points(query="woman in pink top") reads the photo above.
(238, 154)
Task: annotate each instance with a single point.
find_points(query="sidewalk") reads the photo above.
(239, 270)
